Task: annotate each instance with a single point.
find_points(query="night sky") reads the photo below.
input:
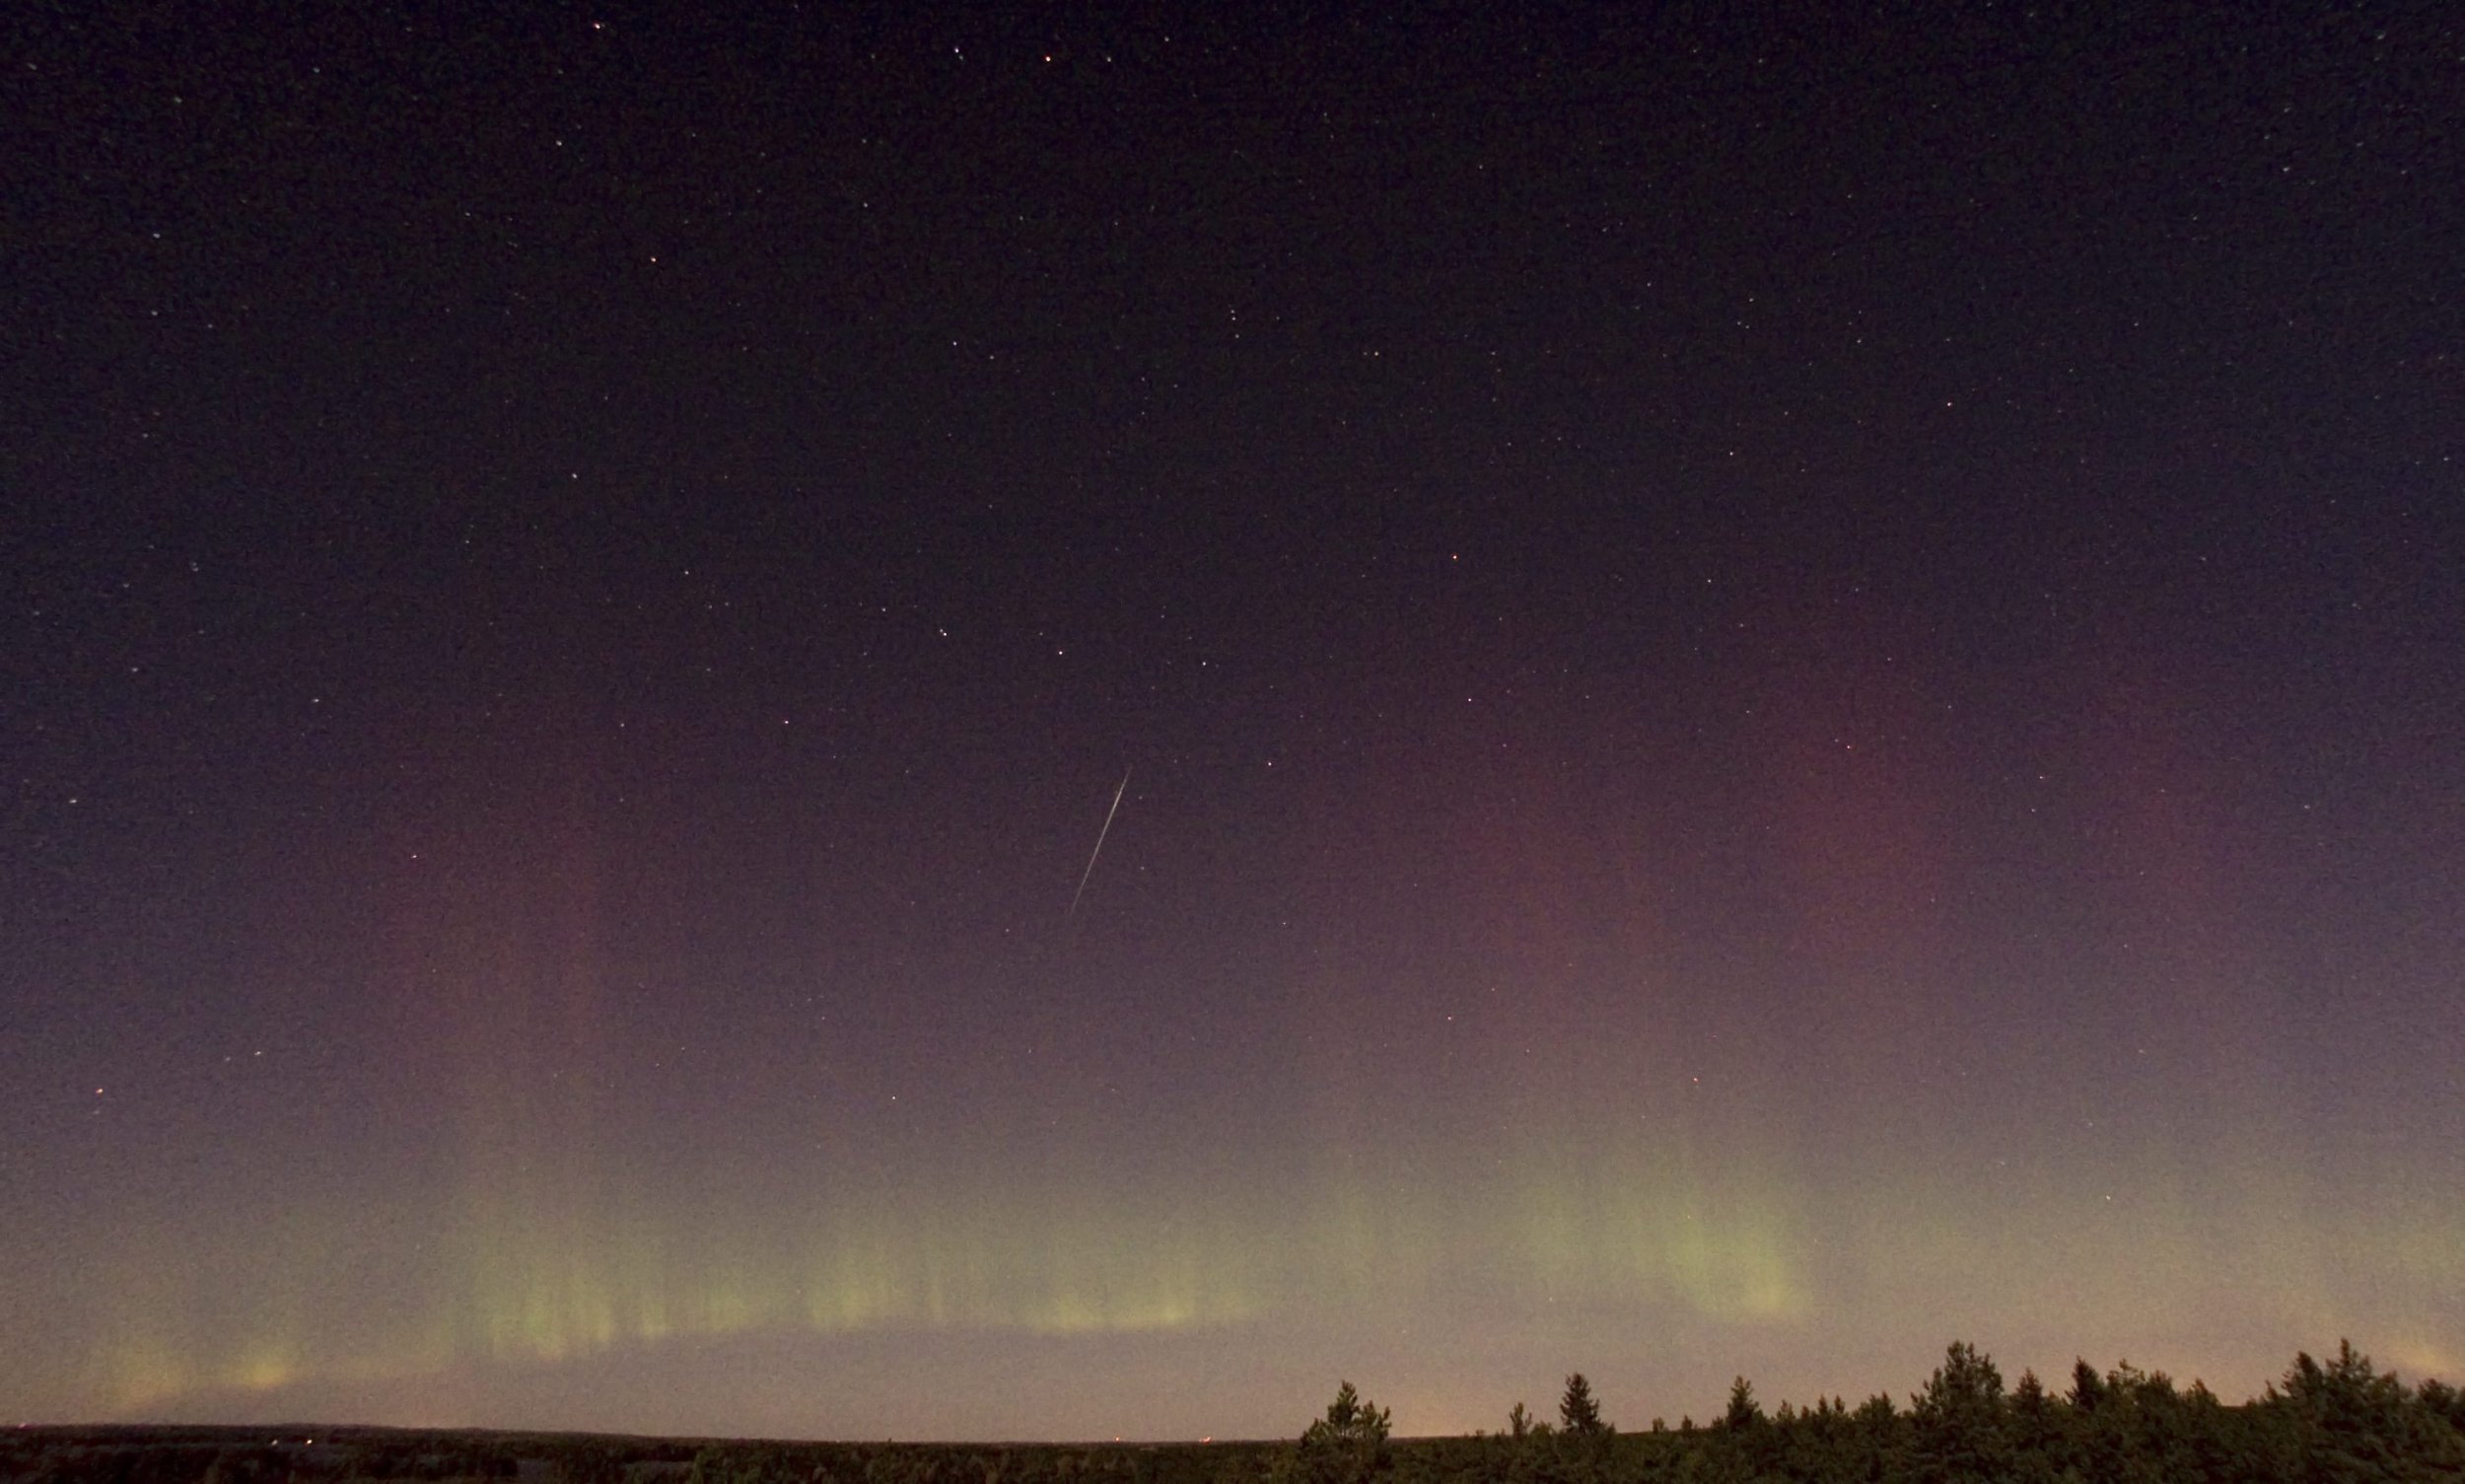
(1792, 686)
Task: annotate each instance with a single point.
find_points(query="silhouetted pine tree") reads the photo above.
(1578, 1413)
(1348, 1446)
(2087, 1387)
(1743, 1411)
(1956, 1431)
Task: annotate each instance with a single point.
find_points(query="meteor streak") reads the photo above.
(1099, 846)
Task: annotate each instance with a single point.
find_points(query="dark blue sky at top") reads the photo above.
(1761, 655)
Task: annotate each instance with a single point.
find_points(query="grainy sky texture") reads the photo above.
(1791, 680)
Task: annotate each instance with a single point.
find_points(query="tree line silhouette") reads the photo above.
(2320, 1424)
(2338, 1422)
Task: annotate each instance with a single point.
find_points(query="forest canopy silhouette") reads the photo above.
(2339, 1420)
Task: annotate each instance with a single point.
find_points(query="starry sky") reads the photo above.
(1781, 682)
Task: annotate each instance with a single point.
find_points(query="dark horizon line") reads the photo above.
(309, 1430)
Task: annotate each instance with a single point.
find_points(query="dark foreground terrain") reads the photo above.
(2338, 1420)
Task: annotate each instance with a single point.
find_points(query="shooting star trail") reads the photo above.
(1099, 846)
